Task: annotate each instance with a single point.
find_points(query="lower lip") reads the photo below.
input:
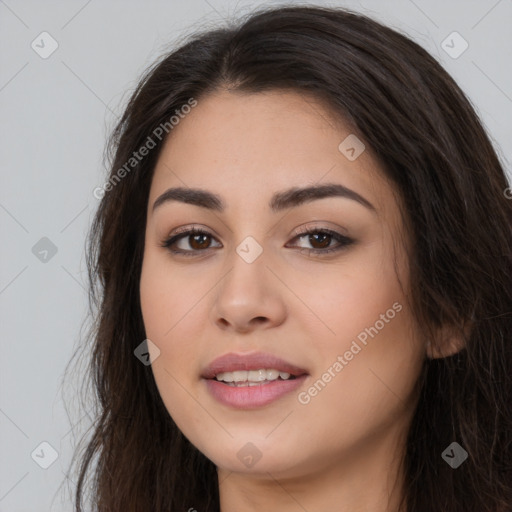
(251, 397)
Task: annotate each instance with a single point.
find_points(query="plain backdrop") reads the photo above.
(55, 115)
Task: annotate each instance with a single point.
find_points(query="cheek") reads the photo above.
(170, 305)
(163, 305)
(359, 388)
(367, 321)
(352, 297)
(167, 296)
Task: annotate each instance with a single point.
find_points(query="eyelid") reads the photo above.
(319, 226)
(188, 228)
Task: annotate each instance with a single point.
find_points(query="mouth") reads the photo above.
(249, 381)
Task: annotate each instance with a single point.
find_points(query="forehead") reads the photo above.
(249, 145)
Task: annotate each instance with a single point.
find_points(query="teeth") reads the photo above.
(239, 376)
(253, 377)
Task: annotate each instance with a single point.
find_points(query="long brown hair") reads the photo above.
(435, 152)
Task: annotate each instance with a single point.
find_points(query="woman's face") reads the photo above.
(256, 173)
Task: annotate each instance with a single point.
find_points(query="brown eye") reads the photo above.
(201, 241)
(320, 240)
(192, 241)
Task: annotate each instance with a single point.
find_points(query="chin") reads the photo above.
(258, 456)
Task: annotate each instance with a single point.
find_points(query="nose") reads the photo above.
(249, 297)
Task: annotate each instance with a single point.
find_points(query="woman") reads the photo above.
(302, 270)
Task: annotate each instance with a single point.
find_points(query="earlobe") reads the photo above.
(449, 342)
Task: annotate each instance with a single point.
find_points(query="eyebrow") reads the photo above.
(280, 201)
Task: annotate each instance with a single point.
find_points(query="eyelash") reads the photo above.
(342, 240)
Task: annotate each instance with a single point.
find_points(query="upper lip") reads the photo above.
(232, 362)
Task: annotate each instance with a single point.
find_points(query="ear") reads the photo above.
(449, 341)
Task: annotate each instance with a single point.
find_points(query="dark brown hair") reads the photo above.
(433, 149)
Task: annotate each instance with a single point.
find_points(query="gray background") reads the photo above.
(55, 114)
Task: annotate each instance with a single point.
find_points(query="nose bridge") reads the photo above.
(247, 264)
(247, 291)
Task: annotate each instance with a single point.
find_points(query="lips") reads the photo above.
(245, 393)
(236, 362)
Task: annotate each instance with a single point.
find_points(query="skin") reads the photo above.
(340, 451)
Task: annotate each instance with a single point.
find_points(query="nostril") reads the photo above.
(223, 322)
